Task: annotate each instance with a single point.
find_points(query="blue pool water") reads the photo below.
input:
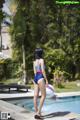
(71, 104)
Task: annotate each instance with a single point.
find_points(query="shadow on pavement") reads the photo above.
(56, 114)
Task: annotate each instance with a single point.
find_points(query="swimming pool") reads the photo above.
(71, 104)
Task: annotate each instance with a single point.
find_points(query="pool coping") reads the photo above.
(30, 94)
(68, 94)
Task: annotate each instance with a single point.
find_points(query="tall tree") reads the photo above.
(1, 19)
(20, 34)
(54, 27)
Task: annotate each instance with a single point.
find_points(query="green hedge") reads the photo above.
(8, 68)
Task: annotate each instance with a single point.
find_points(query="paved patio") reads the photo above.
(19, 113)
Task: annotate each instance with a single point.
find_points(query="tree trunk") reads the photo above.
(77, 70)
(0, 40)
(77, 75)
(24, 65)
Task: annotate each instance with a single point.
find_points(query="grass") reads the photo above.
(8, 81)
(67, 87)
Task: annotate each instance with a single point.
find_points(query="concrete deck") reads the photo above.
(30, 93)
(11, 95)
(19, 113)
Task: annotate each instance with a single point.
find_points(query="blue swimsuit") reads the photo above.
(39, 74)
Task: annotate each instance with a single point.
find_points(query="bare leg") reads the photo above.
(42, 88)
(36, 94)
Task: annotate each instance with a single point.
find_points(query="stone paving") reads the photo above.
(19, 113)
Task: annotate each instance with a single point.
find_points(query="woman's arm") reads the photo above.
(34, 67)
(43, 71)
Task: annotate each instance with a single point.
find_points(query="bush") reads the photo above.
(2, 69)
(8, 68)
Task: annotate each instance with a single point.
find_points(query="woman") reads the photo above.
(39, 83)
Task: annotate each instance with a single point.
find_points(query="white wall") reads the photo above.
(6, 41)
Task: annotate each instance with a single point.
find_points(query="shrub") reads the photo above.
(8, 68)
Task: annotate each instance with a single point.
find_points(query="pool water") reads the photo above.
(71, 104)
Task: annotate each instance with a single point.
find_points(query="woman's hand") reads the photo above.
(46, 83)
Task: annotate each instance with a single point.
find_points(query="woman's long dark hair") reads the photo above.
(38, 53)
